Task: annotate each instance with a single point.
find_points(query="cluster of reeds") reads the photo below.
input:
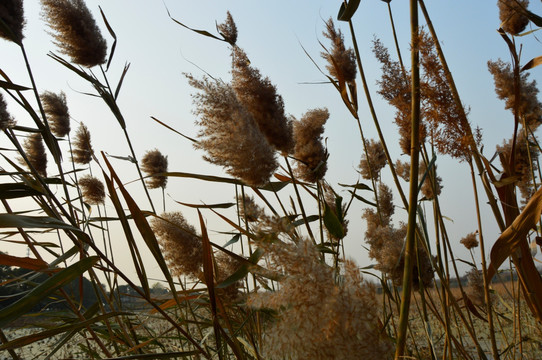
(283, 287)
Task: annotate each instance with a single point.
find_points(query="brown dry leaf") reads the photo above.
(515, 233)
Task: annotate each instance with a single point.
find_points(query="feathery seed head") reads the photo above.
(12, 20)
(259, 96)
(470, 241)
(56, 108)
(330, 320)
(373, 161)
(309, 151)
(341, 61)
(75, 31)
(529, 106)
(248, 209)
(82, 148)
(6, 120)
(180, 244)
(93, 190)
(475, 289)
(229, 134)
(228, 30)
(153, 162)
(35, 152)
(511, 15)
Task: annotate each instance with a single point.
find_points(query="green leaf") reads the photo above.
(358, 186)
(17, 190)
(233, 240)
(40, 292)
(347, 11)
(310, 218)
(11, 86)
(332, 223)
(362, 199)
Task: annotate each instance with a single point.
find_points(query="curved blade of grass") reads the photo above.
(17, 190)
(347, 11)
(29, 339)
(361, 198)
(112, 33)
(532, 63)
(63, 277)
(11, 86)
(358, 186)
(209, 276)
(201, 32)
(25, 263)
(515, 233)
(172, 129)
(207, 206)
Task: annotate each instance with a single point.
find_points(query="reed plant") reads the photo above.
(284, 286)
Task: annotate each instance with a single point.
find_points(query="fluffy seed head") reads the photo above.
(511, 15)
(12, 16)
(6, 120)
(228, 30)
(373, 161)
(470, 241)
(341, 61)
(93, 190)
(82, 148)
(75, 31)
(475, 283)
(56, 108)
(259, 96)
(153, 162)
(180, 244)
(248, 209)
(309, 151)
(229, 134)
(316, 316)
(35, 152)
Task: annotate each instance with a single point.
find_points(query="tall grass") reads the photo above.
(283, 287)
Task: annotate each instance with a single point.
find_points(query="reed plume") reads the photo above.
(230, 135)
(341, 62)
(317, 317)
(12, 20)
(470, 241)
(228, 30)
(180, 244)
(6, 120)
(309, 151)
(93, 190)
(82, 147)
(35, 152)
(259, 96)
(56, 109)
(248, 209)
(528, 104)
(153, 162)
(373, 161)
(75, 31)
(511, 14)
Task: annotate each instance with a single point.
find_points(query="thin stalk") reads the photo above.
(410, 246)
(487, 294)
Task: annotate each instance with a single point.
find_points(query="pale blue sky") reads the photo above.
(272, 33)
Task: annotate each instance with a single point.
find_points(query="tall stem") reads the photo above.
(413, 197)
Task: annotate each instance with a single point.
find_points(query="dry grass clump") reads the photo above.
(93, 190)
(35, 153)
(309, 151)
(58, 115)
(6, 120)
(229, 133)
(513, 20)
(75, 31)
(318, 317)
(82, 147)
(180, 244)
(153, 162)
(12, 15)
